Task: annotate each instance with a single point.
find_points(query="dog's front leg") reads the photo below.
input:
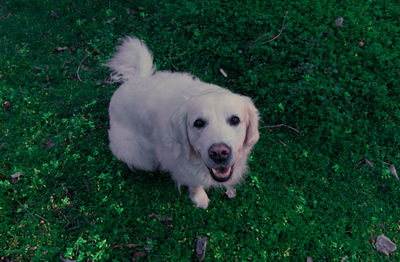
(230, 191)
(199, 196)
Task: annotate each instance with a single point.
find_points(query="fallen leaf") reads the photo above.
(327, 33)
(87, 186)
(3, 145)
(133, 245)
(48, 144)
(7, 105)
(385, 245)
(153, 215)
(109, 21)
(164, 219)
(66, 259)
(53, 14)
(393, 171)
(201, 247)
(138, 254)
(116, 246)
(223, 72)
(61, 48)
(6, 16)
(370, 163)
(15, 177)
(339, 22)
(7, 259)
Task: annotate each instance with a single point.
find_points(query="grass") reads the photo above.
(312, 194)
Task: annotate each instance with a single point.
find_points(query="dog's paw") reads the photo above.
(230, 191)
(199, 197)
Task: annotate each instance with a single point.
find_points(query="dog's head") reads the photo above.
(221, 128)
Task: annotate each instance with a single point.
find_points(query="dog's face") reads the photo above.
(221, 128)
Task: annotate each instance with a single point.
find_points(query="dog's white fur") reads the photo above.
(152, 115)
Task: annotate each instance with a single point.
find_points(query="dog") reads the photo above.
(200, 133)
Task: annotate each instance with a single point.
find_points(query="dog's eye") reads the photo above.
(234, 121)
(199, 123)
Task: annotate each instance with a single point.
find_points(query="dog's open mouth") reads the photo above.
(221, 174)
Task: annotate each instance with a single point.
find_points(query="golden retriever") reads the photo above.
(200, 133)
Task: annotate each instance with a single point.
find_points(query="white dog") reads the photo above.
(201, 133)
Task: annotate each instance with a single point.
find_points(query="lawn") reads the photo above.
(322, 186)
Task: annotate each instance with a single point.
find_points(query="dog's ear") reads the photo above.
(252, 134)
(178, 141)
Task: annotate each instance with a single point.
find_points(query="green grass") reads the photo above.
(306, 195)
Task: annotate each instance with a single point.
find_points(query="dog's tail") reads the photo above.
(132, 59)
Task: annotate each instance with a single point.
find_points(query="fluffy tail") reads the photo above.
(132, 59)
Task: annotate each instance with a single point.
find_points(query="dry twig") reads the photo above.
(275, 37)
(280, 141)
(172, 57)
(27, 211)
(280, 32)
(282, 125)
(172, 64)
(79, 67)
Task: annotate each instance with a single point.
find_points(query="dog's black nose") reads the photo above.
(219, 153)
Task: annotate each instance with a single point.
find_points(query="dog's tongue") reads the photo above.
(222, 172)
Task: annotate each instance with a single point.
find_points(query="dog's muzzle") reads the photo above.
(221, 174)
(221, 155)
